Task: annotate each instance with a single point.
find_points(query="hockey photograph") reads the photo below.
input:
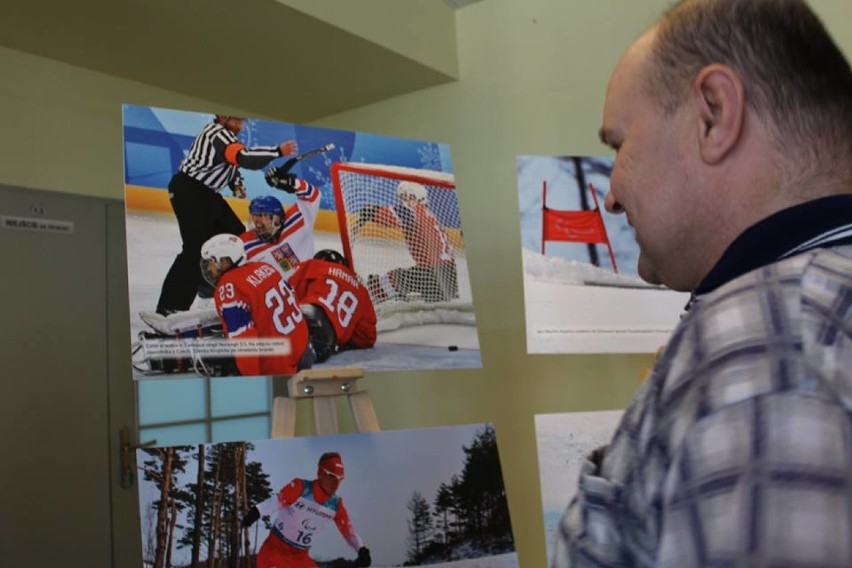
(582, 291)
(265, 248)
(402, 498)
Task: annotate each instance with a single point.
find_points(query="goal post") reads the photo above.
(380, 243)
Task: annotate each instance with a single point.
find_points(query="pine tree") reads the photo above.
(217, 500)
(481, 490)
(162, 469)
(197, 526)
(419, 527)
(443, 505)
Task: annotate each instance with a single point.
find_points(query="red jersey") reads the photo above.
(342, 297)
(301, 510)
(427, 242)
(254, 301)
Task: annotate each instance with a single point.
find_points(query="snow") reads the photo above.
(562, 441)
(574, 307)
(500, 561)
(553, 269)
(153, 241)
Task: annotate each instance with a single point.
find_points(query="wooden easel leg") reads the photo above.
(325, 415)
(325, 387)
(363, 412)
(283, 417)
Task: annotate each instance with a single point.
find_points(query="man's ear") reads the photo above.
(719, 100)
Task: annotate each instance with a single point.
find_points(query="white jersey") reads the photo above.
(298, 523)
(294, 242)
(299, 516)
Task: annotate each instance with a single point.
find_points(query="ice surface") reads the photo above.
(153, 241)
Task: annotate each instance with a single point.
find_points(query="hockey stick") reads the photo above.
(287, 166)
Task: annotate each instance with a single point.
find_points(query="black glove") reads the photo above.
(368, 212)
(363, 559)
(282, 180)
(251, 517)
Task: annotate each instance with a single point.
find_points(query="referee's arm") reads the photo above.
(255, 158)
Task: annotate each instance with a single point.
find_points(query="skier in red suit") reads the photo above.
(302, 508)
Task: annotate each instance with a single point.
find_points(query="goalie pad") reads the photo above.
(433, 283)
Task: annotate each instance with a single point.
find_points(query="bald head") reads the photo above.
(795, 78)
(718, 121)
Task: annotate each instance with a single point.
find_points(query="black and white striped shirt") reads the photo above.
(216, 155)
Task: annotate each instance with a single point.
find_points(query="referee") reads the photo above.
(212, 164)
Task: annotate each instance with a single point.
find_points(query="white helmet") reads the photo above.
(412, 190)
(218, 248)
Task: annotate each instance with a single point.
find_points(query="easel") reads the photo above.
(324, 386)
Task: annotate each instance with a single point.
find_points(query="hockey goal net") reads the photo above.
(377, 244)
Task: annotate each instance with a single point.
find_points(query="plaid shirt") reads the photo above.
(737, 450)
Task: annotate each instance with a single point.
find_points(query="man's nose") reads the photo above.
(612, 205)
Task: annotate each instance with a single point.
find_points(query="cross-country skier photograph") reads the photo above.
(431, 496)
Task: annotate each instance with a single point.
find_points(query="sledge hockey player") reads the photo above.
(434, 275)
(278, 237)
(336, 304)
(254, 301)
(302, 508)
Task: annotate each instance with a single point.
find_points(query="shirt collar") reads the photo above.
(821, 223)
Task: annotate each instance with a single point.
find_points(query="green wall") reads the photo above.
(532, 79)
(61, 125)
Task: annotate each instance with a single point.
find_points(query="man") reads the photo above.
(732, 126)
(433, 277)
(283, 238)
(303, 508)
(336, 304)
(212, 164)
(254, 301)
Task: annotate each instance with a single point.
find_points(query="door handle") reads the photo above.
(128, 456)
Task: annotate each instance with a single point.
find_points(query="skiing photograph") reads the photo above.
(582, 291)
(259, 248)
(563, 442)
(402, 498)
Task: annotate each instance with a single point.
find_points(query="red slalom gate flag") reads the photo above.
(574, 226)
